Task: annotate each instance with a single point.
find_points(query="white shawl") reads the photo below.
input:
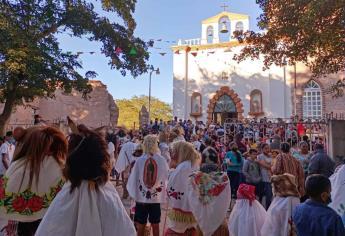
(279, 215)
(209, 211)
(246, 219)
(136, 186)
(125, 156)
(17, 201)
(338, 192)
(86, 211)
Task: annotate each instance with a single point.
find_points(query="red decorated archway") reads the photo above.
(234, 96)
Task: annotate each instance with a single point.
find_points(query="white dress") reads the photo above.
(86, 211)
(247, 219)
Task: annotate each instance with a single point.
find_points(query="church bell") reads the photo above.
(224, 29)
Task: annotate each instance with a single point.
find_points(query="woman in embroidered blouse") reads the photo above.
(33, 179)
(180, 218)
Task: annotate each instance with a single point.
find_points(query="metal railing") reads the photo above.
(189, 42)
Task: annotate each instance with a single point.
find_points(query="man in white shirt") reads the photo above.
(123, 162)
(6, 152)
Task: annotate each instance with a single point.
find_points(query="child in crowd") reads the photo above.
(265, 161)
(251, 170)
(314, 217)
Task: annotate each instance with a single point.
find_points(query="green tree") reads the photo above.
(31, 62)
(129, 110)
(308, 31)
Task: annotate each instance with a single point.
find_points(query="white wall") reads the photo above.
(205, 72)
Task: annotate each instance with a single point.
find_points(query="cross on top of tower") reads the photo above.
(224, 6)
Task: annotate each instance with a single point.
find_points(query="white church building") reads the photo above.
(210, 86)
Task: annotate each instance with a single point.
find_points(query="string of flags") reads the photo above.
(195, 53)
(133, 52)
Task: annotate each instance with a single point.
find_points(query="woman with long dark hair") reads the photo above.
(234, 162)
(88, 203)
(33, 180)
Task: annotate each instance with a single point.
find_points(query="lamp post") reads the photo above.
(152, 69)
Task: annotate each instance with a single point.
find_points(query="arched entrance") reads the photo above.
(224, 105)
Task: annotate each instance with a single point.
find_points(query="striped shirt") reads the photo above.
(285, 163)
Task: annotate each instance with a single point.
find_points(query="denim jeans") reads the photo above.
(235, 179)
(267, 192)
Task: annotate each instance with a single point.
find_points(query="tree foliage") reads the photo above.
(31, 61)
(308, 31)
(129, 110)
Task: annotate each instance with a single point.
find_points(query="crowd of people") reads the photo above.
(213, 181)
(261, 170)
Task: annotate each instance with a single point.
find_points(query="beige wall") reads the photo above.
(98, 110)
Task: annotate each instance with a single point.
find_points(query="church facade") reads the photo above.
(209, 85)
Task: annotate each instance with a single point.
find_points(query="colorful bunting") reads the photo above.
(194, 54)
(177, 52)
(133, 52)
(163, 53)
(118, 51)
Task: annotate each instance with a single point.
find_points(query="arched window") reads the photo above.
(256, 103)
(225, 104)
(210, 34)
(196, 104)
(239, 26)
(312, 100)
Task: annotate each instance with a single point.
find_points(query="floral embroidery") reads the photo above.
(174, 194)
(27, 202)
(150, 193)
(210, 185)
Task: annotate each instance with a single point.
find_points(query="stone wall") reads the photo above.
(98, 110)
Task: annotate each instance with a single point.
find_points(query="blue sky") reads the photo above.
(169, 20)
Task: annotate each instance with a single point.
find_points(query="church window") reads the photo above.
(196, 104)
(210, 34)
(312, 100)
(239, 26)
(256, 102)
